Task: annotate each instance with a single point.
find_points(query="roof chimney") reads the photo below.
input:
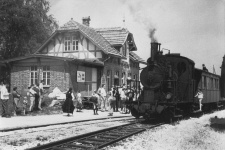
(86, 20)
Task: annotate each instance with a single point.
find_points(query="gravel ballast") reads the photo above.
(191, 134)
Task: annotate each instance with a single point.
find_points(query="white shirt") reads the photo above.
(32, 91)
(199, 95)
(122, 94)
(4, 93)
(78, 95)
(41, 86)
(95, 95)
(1, 87)
(103, 92)
(0, 90)
(72, 96)
(120, 90)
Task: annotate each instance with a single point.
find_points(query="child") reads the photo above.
(24, 105)
(79, 101)
(94, 100)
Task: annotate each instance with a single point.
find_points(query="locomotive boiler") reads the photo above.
(169, 86)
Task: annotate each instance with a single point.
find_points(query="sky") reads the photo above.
(193, 28)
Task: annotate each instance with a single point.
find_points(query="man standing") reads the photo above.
(37, 96)
(41, 87)
(200, 97)
(4, 99)
(123, 100)
(204, 68)
(31, 94)
(16, 98)
(103, 97)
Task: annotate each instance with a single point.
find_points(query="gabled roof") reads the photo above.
(115, 36)
(104, 38)
(135, 57)
(90, 33)
(90, 61)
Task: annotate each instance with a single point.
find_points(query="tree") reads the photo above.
(24, 26)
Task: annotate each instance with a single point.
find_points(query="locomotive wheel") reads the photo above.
(134, 113)
(167, 115)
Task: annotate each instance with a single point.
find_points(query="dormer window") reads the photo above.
(75, 43)
(71, 43)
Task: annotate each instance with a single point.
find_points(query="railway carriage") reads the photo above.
(209, 84)
(170, 83)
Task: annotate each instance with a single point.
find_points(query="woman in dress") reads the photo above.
(68, 106)
(112, 101)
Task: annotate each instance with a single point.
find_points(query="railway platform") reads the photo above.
(23, 122)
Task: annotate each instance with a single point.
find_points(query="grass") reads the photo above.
(18, 142)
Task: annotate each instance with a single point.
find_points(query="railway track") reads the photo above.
(95, 140)
(81, 122)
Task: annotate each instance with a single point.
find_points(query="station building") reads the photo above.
(79, 56)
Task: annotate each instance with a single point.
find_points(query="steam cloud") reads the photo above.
(152, 35)
(139, 14)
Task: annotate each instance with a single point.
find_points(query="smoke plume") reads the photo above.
(152, 35)
(143, 16)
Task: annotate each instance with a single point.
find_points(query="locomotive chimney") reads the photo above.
(155, 48)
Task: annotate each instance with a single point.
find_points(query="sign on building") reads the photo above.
(103, 79)
(80, 76)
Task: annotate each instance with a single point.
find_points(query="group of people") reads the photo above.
(4, 96)
(34, 93)
(112, 100)
(109, 101)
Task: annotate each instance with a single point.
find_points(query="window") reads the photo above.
(67, 43)
(125, 50)
(205, 85)
(211, 82)
(33, 75)
(129, 80)
(214, 83)
(117, 74)
(217, 84)
(129, 75)
(46, 75)
(71, 43)
(137, 66)
(135, 81)
(116, 78)
(123, 77)
(134, 77)
(75, 43)
(108, 80)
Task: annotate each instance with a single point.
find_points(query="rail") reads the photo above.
(96, 139)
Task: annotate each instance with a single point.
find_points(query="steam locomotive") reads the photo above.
(170, 83)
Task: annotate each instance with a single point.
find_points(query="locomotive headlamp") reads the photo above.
(168, 95)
